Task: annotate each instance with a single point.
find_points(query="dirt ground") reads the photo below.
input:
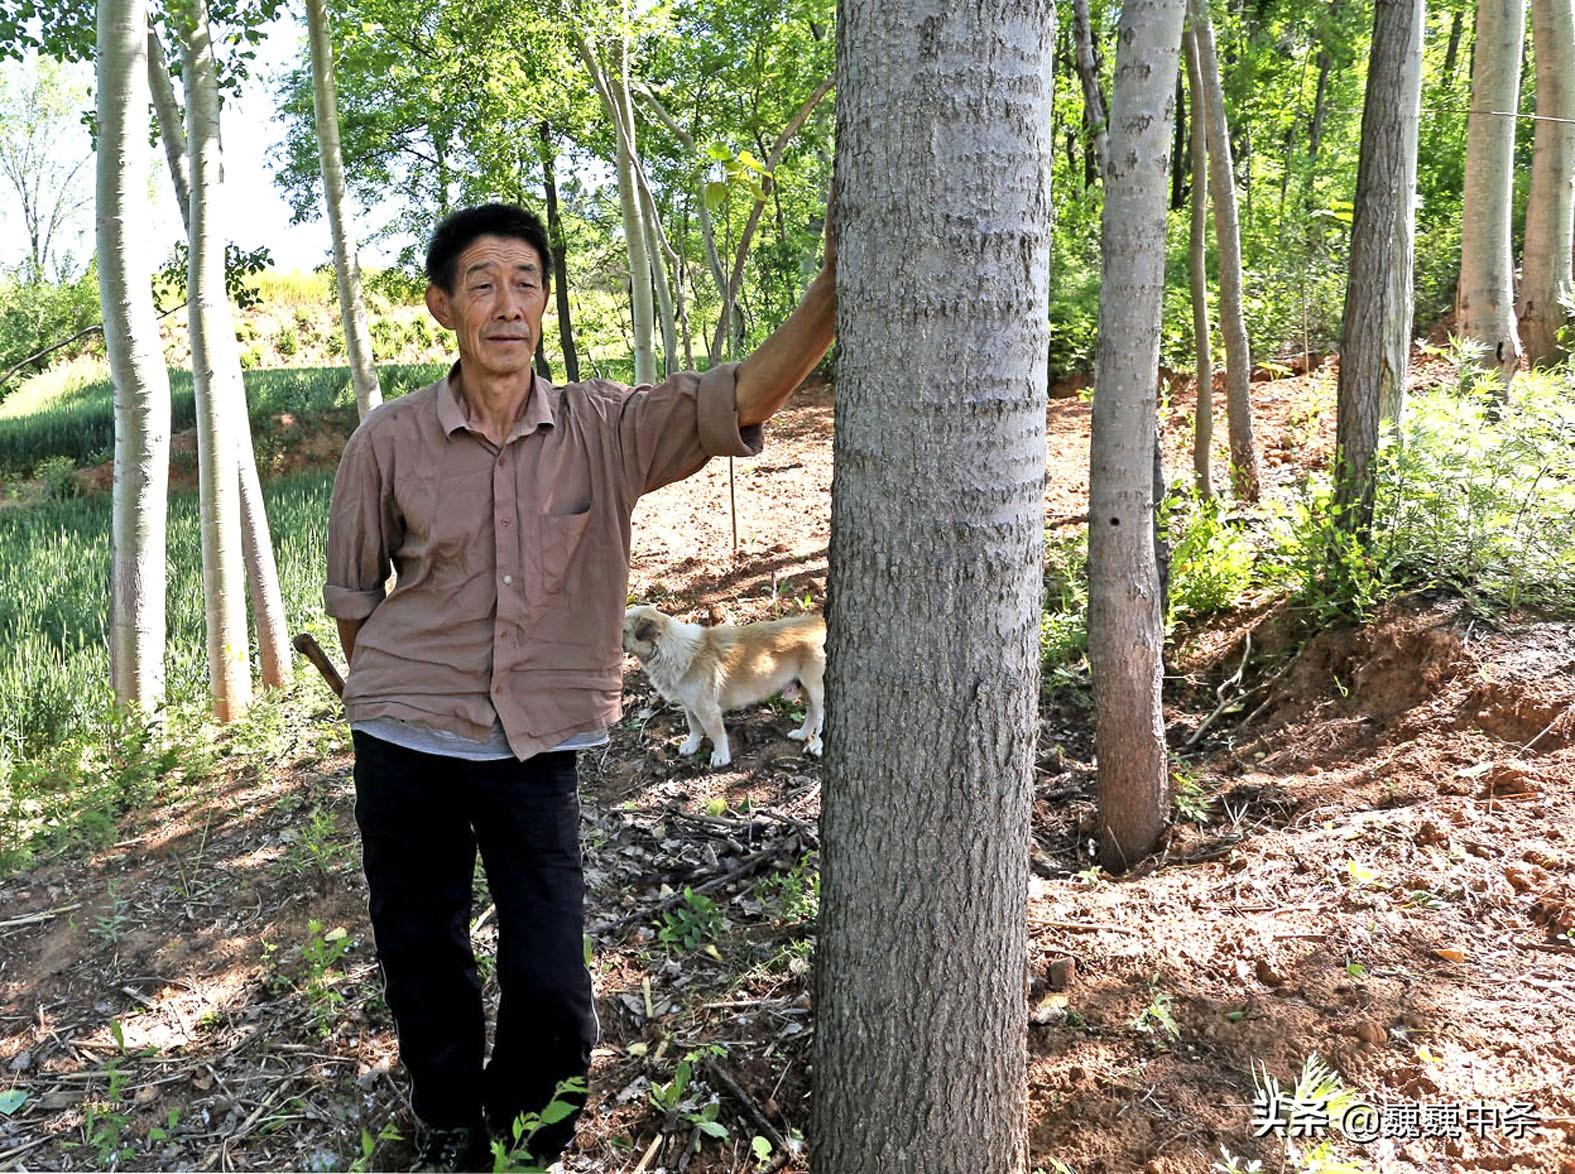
(1377, 868)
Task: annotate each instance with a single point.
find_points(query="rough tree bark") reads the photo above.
(1198, 272)
(1485, 301)
(1125, 617)
(136, 360)
(223, 581)
(943, 221)
(1375, 338)
(347, 265)
(1546, 287)
(1244, 465)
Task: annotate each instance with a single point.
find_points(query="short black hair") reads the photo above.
(455, 234)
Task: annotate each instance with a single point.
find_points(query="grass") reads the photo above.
(74, 417)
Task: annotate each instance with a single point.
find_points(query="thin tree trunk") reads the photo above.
(1546, 287)
(658, 263)
(943, 223)
(736, 280)
(223, 575)
(136, 360)
(1245, 471)
(1125, 619)
(1485, 302)
(1178, 150)
(1198, 270)
(615, 99)
(262, 570)
(1087, 62)
(1375, 337)
(347, 265)
(560, 265)
(702, 209)
(1452, 52)
(170, 119)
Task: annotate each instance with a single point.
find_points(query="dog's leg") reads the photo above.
(691, 744)
(711, 720)
(813, 680)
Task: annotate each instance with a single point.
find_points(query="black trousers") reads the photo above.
(422, 818)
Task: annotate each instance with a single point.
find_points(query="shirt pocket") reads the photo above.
(563, 541)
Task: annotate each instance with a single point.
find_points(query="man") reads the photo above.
(503, 504)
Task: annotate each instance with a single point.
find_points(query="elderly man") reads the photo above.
(503, 503)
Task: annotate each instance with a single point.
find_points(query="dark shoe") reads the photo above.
(463, 1148)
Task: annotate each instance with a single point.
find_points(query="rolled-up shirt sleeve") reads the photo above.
(669, 430)
(362, 530)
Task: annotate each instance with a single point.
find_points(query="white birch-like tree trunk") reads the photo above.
(943, 230)
(1126, 629)
(702, 208)
(168, 114)
(1485, 300)
(136, 360)
(1547, 292)
(1246, 472)
(347, 265)
(1375, 340)
(1198, 273)
(224, 588)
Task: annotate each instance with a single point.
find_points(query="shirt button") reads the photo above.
(508, 579)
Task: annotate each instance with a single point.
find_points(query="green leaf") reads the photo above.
(760, 1147)
(11, 1100)
(715, 195)
(712, 1129)
(752, 163)
(556, 1111)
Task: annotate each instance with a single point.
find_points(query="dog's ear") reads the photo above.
(645, 631)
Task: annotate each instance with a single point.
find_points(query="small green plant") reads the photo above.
(319, 954)
(1191, 802)
(313, 849)
(1212, 560)
(692, 924)
(110, 924)
(363, 1161)
(673, 1099)
(58, 476)
(796, 893)
(514, 1156)
(1157, 1015)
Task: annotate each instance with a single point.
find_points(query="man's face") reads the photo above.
(500, 293)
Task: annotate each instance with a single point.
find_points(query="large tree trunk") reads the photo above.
(1375, 338)
(224, 588)
(1485, 302)
(1125, 620)
(1094, 116)
(1546, 287)
(347, 266)
(170, 119)
(560, 265)
(1198, 272)
(136, 360)
(943, 223)
(1244, 466)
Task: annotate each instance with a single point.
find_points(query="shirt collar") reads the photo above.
(453, 413)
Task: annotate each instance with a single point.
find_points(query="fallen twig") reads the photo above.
(1081, 926)
(1226, 702)
(747, 1103)
(751, 862)
(35, 918)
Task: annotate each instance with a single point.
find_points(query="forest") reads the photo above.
(1189, 495)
